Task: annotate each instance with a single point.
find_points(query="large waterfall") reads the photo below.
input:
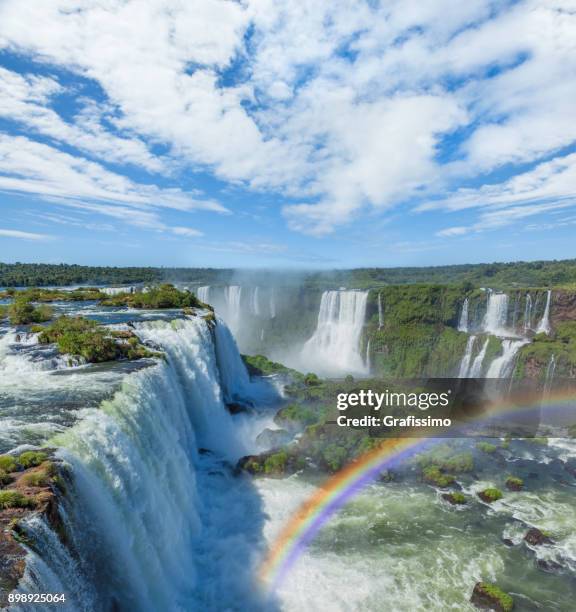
(496, 314)
(147, 515)
(501, 366)
(334, 347)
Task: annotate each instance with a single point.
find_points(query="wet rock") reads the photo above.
(514, 484)
(487, 596)
(507, 542)
(273, 438)
(535, 537)
(456, 499)
(548, 565)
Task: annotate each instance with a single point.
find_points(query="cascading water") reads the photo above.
(380, 313)
(463, 323)
(136, 504)
(233, 297)
(334, 347)
(496, 314)
(501, 365)
(203, 294)
(367, 358)
(476, 368)
(255, 302)
(465, 363)
(528, 314)
(544, 325)
(272, 303)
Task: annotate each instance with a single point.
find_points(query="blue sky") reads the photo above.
(267, 133)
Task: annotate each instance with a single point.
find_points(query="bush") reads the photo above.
(486, 447)
(23, 312)
(490, 495)
(433, 475)
(14, 499)
(31, 459)
(276, 463)
(7, 463)
(86, 338)
(164, 296)
(5, 478)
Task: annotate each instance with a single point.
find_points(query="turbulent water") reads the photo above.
(148, 512)
(334, 347)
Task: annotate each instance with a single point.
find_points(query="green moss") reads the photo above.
(496, 593)
(456, 498)
(514, 482)
(491, 494)
(32, 459)
(334, 457)
(433, 475)
(14, 499)
(486, 447)
(7, 463)
(276, 463)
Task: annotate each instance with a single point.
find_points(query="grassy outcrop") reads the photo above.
(490, 495)
(156, 298)
(88, 339)
(23, 312)
(487, 596)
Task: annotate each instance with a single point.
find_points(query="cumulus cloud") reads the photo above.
(341, 107)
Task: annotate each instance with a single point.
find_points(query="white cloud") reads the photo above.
(24, 235)
(187, 232)
(33, 168)
(341, 105)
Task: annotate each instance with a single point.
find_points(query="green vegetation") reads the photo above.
(22, 312)
(456, 498)
(88, 339)
(497, 275)
(163, 296)
(447, 459)
(275, 464)
(14, 499)
(433, 475)
(514, 483)
(490, 495)
(259, 365)
(7, 463)
(296, 413)
(497, 595)
(36, 294)
(31, 459)
(486, 447)
(40, 477)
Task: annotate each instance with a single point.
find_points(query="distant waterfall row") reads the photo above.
(234, 301)
(501, 321)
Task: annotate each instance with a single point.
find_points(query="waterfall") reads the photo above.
(272, 303)
(233, 297)
(463, 323)
(550, 370)
(528, 314)
(380, 313)
(333, 349)
(476, 368)
(255, 302)
(496, 314)
(203, 294)
(544, 325)
(501, 366)
(146, 519)
(367, 358)
(465, 363)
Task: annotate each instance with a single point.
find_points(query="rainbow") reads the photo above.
(344, 485)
